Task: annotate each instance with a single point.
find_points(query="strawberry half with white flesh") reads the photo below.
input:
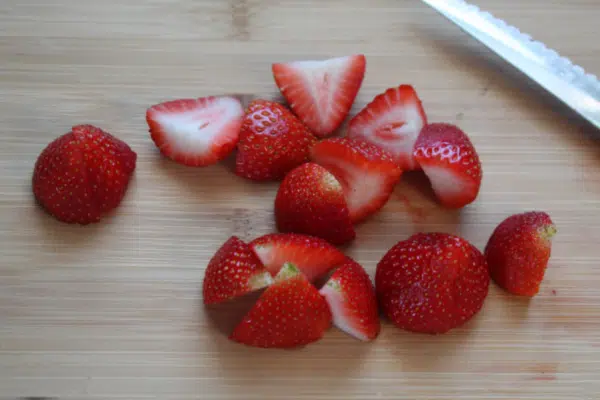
(321, 93)
(392, 121)
(451, 163)
(196, 132)
(233, 271)
(367, 173)
(313, 256)
(290, 313)
(353, 302)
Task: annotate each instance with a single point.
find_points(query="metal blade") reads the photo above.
(558, 75)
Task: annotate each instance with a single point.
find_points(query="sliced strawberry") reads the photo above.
(451, 163)
(272, 142)
(392, 121)
(233, 271)
(353, 302)
(311, 201)
(290, 313)
(518, 252)
(312, 255)
(196, 132)
(321, 93)
(367, 173)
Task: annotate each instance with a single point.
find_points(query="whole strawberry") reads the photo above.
(272, 142)
(83, 174)
(518, 252)
(432, 282)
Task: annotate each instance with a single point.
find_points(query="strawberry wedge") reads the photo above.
(313, 256)
(233, 271)
(352, 301)
(321, 93)
(290, 313)
(196, 132)
(311, 201)
(392, 121)
(451, 163)
(367, 173)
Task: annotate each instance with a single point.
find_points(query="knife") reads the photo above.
(559, 76)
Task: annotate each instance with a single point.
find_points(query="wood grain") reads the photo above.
(113, 311)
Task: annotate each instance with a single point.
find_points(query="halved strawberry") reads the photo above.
(353, 302)
(367, 173)
(448, 158)
(196, 132)
(392, 121)
(272, 142)
(290, 313)
(233, 271)
(311, 201)
(321, 93)
(313, 256)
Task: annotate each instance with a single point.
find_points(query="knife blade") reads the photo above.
(558, 75)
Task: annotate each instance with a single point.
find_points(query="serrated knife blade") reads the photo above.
(558, 75)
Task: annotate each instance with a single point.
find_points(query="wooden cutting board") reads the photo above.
(113, 310)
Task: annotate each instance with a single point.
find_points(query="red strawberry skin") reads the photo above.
(432, 282)
(321, 93)
(196, 132)
(311, 201)
(233, 271)
(290, 313)
(449, 159)
(392, 121)
(518, 252)
(314, 256)
(83, 174)
(367, 173)
(352, 301)
(273, 141)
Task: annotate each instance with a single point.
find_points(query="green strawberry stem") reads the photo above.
(287, 271)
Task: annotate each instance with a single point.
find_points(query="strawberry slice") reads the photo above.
(311, 201)
(392, 121)
(313, 256)
(196, 132)
(321, 93)
(290, 313)
(353, 302)
(448, 158)
(233, 271)
(367, 173)
(272, 142)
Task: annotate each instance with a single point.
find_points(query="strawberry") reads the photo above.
(233, 271)
(290, 313)
(196, 132)
(311, 201)
(83, 174)
(352, 301)
(448, 158)
(313, 256)
(367, 173)
(432, 282)
(518, 251)
(392, 121)
(273, 141)
(321, 93)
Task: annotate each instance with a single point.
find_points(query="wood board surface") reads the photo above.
(113, 310)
